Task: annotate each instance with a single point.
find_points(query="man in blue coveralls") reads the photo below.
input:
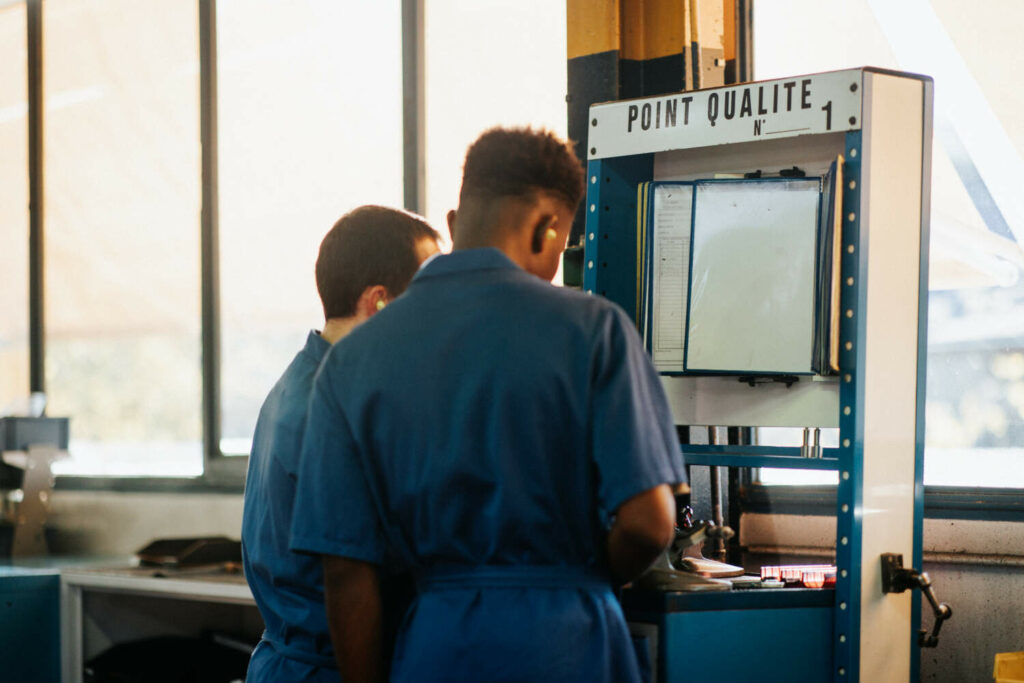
(366, 259)
(512, 447)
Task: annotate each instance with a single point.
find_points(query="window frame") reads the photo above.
(222, 473)
(226, 474)
(940, 502)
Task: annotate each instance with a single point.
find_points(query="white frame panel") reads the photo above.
(890, 232)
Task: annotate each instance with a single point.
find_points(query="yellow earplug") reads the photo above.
(550, 233)
(380, 304)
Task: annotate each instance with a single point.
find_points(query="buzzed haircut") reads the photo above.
(371, 245)
(516, 162)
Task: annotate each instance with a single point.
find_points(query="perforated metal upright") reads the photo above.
(881, 122)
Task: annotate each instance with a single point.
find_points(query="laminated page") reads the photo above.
(670, 271)
(836, 220)
(642, 284)
(752, 287)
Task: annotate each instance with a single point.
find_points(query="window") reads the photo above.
(310, 127)
(975, 402)
(487, 63)
(309, 124)
(122, 234)
(14, 383)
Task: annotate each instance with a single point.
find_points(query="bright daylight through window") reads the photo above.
(14, 383)
(122, 234)
(309, 126)
(510, 59)
(975, 401)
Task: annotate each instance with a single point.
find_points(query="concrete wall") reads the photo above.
(118, 524)
(977, 567)
(988, 604)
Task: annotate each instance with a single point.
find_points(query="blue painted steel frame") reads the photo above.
(791, 644)
(852, 336)
(29, 627)
(759, 456)
(610, 269)
(922, 373)
(610, 256)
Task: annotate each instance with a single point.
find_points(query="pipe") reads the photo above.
(977, 559)
(716, 499)
(695, 60)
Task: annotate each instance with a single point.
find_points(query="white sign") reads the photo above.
(802, 105)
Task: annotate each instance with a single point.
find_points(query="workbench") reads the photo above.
(104, 606)
(56, 614)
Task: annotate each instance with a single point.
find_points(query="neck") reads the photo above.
(510, 248)
(503, 234)
(480, 239)
(336, 328)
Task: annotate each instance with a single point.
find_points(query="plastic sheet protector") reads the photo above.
(670, 261)
(752, 279)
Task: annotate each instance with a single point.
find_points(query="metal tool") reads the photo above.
(896, 578)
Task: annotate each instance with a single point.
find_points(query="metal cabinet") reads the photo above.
(881, 123)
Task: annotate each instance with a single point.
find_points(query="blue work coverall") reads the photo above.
(480, 432)
(288, 586)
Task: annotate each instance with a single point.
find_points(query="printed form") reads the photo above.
(673, 207)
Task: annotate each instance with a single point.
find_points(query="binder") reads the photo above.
(740, 276)
(667, 217)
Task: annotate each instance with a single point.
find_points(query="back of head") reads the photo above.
(514, 163)
(371, 245)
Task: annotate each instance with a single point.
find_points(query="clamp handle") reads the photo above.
(896, 578)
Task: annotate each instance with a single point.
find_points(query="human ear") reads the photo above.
(373, 300)
(450, 218)
(543, 231)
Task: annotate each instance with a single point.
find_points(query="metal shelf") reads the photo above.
(664, 602)
(759, 456)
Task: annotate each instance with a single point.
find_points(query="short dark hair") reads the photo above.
(371, 245)
(515, 162)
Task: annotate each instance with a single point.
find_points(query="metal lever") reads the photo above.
(896, 578)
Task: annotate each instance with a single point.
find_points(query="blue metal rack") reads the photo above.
(851, 615)
(759, 456)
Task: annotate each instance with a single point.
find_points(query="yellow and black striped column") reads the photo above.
(618, 49)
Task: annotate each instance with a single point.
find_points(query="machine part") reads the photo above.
(662, 576)
(712, 569)
(720, 532)
(690, 533)
(690, 536)
(754, 380)
(717, 529)
(191, 552)
(20, 433)
(736, 436)
(29, 538)
(572, 267)
(896, 579)
(745, 581)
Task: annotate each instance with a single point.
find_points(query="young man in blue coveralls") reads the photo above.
(505, 440)
(367, 259)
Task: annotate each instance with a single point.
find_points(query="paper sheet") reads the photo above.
(673, 205)
(753, 277)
